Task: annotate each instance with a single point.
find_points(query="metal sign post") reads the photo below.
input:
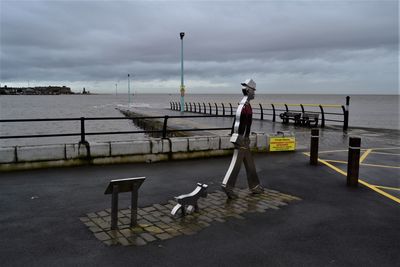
(120, 186)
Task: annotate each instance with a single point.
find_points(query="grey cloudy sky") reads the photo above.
(285, 46)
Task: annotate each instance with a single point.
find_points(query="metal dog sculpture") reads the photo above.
(188, 203)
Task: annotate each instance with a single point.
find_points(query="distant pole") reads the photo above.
(129, 90)
(116, 89)
(182, 34)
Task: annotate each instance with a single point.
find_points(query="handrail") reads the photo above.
(264, 110)
(83, 134)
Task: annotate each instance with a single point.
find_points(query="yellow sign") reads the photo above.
(282, 143)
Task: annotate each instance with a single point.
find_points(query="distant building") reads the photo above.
(38, 90)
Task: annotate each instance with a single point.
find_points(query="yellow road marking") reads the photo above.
(364, 164)
(383, 153)
(387, 187)
(372, 187)
(380, 166)
(385, 148)
(331, 151)
(362, 149)
(365, 155)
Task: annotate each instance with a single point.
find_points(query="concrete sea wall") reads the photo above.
(145, 150)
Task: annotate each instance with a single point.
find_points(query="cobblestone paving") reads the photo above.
(156, 223)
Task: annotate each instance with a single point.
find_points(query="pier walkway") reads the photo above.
(307, 216)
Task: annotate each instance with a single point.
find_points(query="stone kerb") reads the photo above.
(203, 143)
(111, 152)
(7, 155)
(130, 148)
(41, 153)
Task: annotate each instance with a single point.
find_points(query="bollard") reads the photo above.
(353, 163)
(314, 147)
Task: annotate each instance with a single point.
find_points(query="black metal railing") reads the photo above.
(164, 131)
(273, 110)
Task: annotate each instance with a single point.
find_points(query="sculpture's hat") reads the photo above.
(250, 84)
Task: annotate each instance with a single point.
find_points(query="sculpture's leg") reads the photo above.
(183, 209)
(175, 209)
(229, 181)
(252, 177)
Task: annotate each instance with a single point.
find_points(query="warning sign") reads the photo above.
(282, 143)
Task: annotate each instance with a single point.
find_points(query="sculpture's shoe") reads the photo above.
(257, 189)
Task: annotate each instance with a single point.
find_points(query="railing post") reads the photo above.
(261, 112)
(190, 105)
(287, 109)
(209, 104)
(83, 130)
(216, 109)
(314, 147)
(180, 107)
(223, 109)
(346, 114)
(186, 107)
(164, 130)
(323, 116)
(302, 109)
(230, 105)
(199, 107)
(195, 108)
(353, 163)
(273, 112)
(170, 105)
(205, 109)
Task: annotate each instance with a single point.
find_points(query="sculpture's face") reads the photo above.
(250, 93)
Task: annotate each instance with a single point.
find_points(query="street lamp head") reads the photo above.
(182, 34)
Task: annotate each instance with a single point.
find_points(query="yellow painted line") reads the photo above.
(342, 150)
(332, 151)
(385, 148)
(365, 155)
(387, 187)
(364, 164)
(383, 153)
(363, 149)
(372, 187)
(379, 191)
(332, 167)
(380, 166)
(335, 161)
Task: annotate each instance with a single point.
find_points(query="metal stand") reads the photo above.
(120, 186)
(114, 207)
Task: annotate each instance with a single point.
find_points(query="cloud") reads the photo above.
(312, 45)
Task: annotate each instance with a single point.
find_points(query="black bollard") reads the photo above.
(314, 147)
(353, 163)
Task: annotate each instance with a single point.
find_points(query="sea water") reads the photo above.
(373, 111)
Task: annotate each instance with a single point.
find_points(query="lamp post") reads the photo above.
(182, 34)
(129, 90)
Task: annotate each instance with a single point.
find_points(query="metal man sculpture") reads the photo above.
(240, 138)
